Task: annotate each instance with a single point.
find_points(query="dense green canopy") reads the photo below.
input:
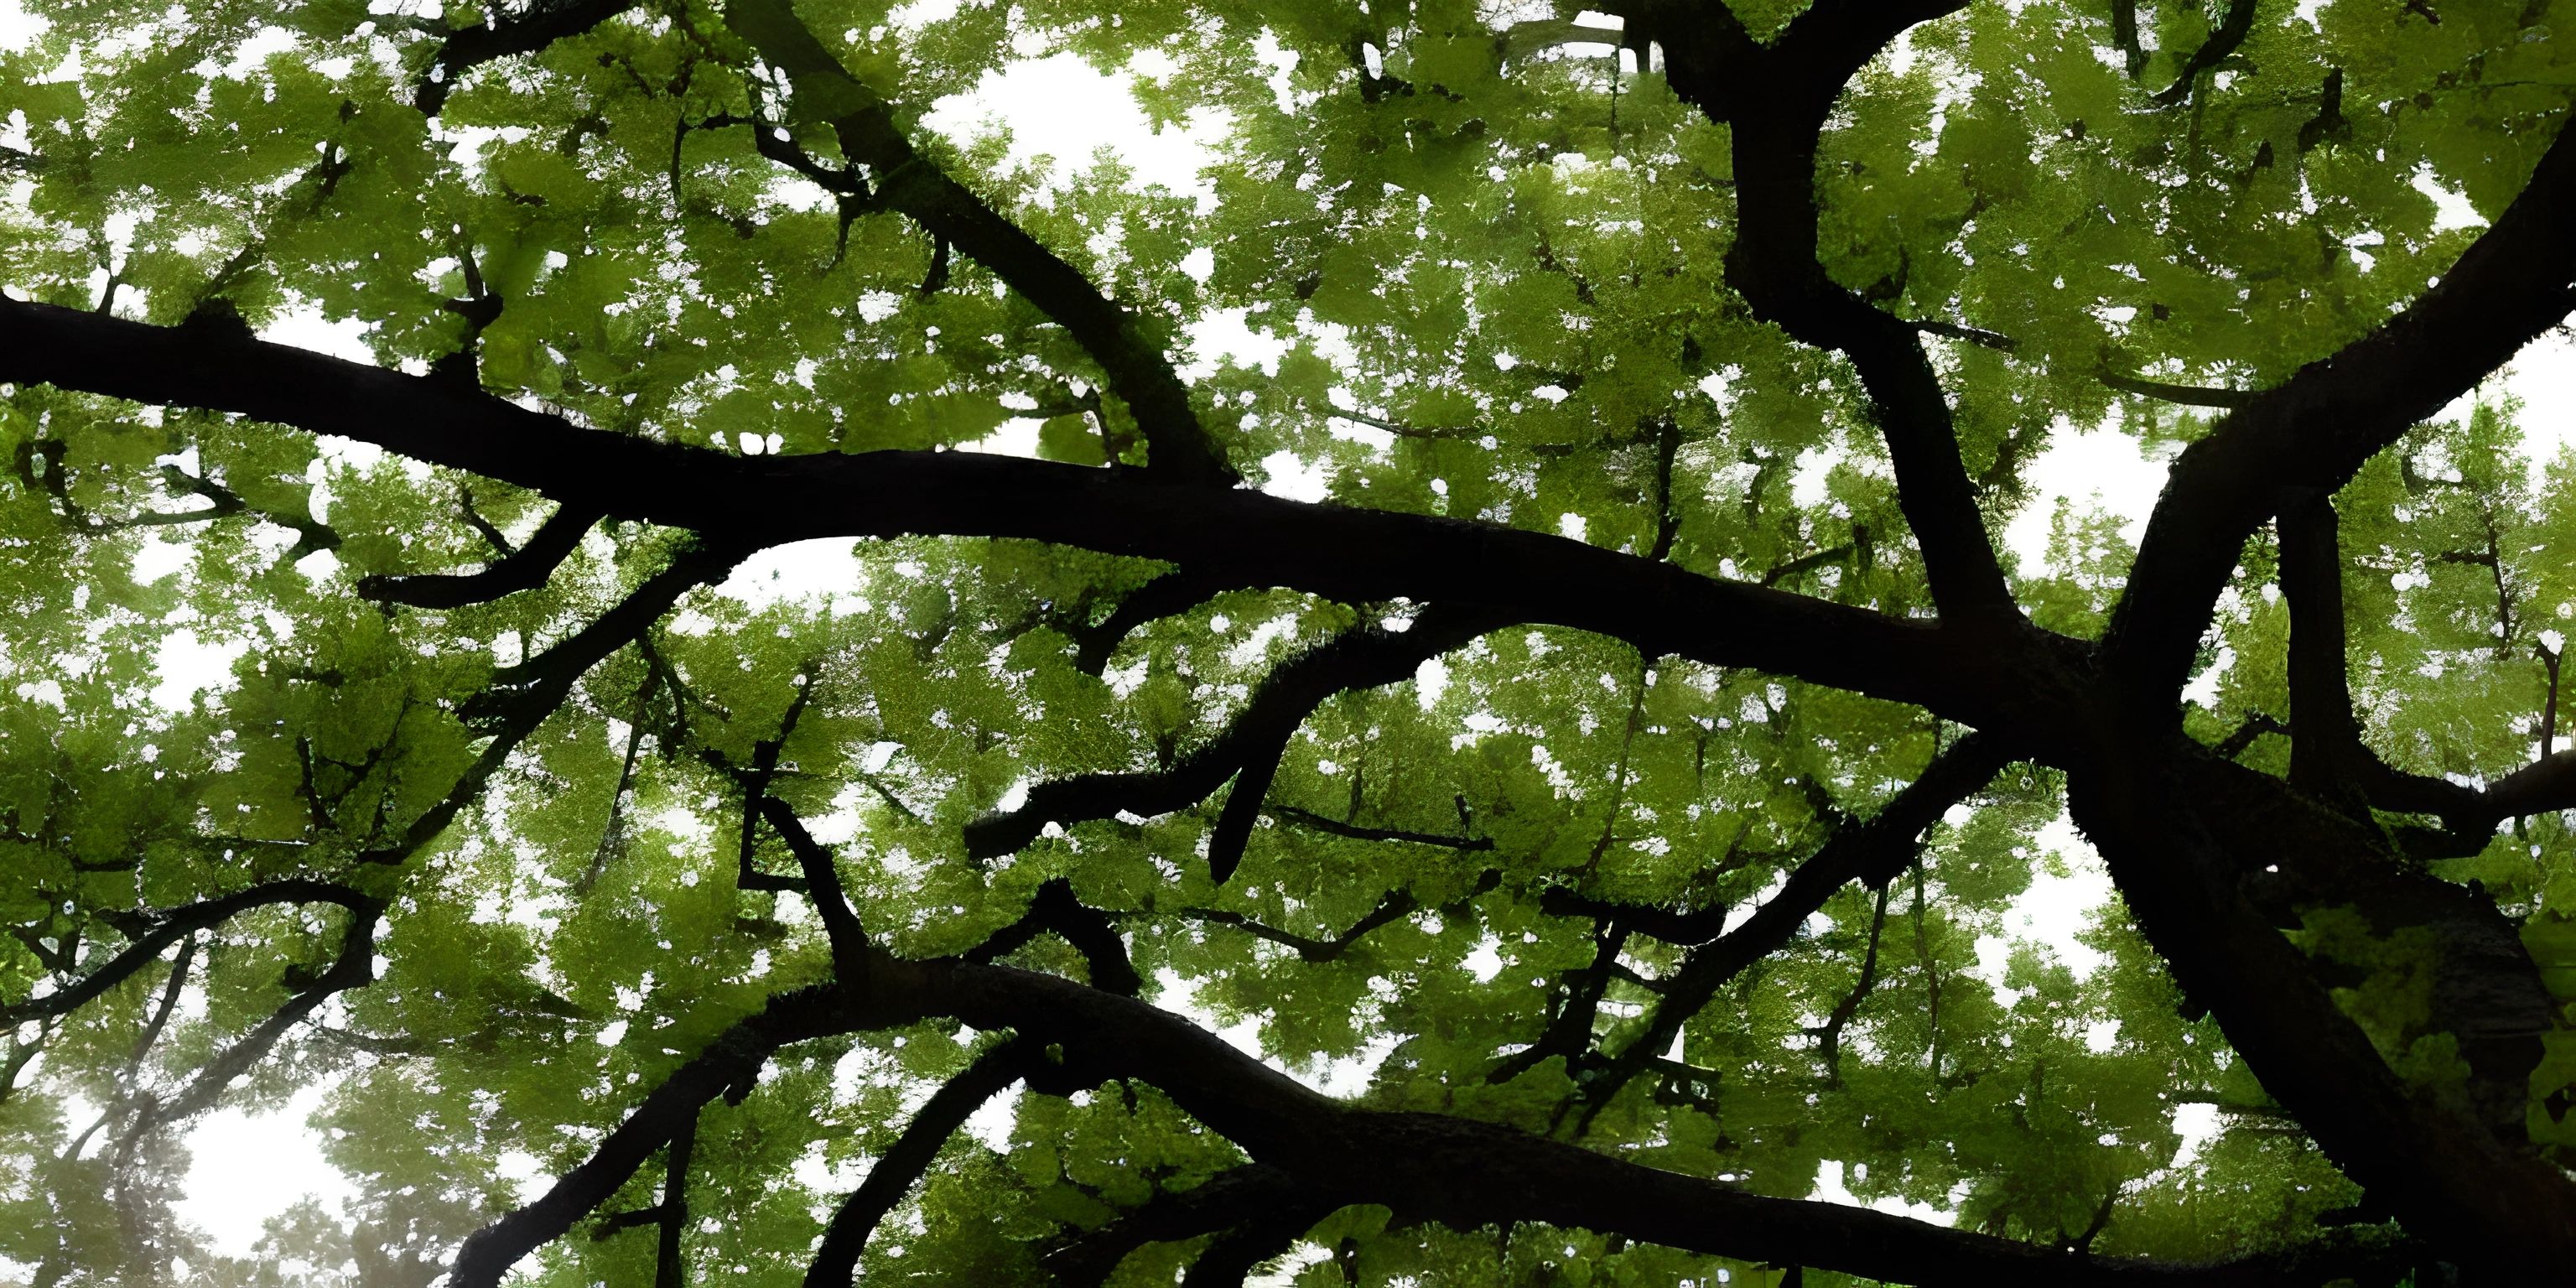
(1604, 792)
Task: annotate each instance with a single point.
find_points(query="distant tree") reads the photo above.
(1619, 786)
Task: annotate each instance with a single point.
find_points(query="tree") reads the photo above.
(1607, 787)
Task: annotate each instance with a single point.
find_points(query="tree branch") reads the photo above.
(1180, 446)
(1335, 827)
(1873, 852)
(166, 928)
(2223, 41)
(1775, 99)
(1473, 1174)
(2317, 428)
(353, 967)
(523, 569)
(2184, 835)
(540, 683)
(1054, 909)
(732, 1060)
(1165, 596)
(1242, 538)
(670, 1270)
(2187, 395)
(836, 1262)
(2326, 755)
(1249, 748)
(1225, 1199)
(823, 886)
(545, 22)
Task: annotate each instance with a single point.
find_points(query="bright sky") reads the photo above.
(251, 1167)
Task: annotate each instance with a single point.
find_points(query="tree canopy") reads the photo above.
(1546, 858)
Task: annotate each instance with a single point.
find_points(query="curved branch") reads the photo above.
(1396, 906)
(540, 683)
(545, 22)
(353, 967)
(166, 929)
(523, 569)
(1245, 538)
(1335, 827)
(1473, 1174)
(823, 886)
(1776, 98)
(1179, 445)
(732, 1061)
(1055, 909)
(1249, 748)
(2315, 430)
(2185, 836)
(836, 1262)
(2187, 395)
(1165, 596)
(2224, 39)
(1225, 1199)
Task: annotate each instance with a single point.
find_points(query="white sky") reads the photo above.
(251, 1167)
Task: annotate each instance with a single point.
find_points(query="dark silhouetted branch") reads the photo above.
(823, 886)
(836, 1262)
(2224, 39)
(166, 928)
(523, 569)
(1055, 910)
(543, 23)
(1250, 746)
(1243, 538)
(732, 1061)
(1179, 446)
(2326, 755)
(1873, 852)
(2187, 395)
(1219, 1202)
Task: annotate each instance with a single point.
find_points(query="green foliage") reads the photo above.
(1495, 276)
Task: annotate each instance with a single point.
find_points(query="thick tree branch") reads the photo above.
(2186, 395)
(2515, 282)
(1475, 1175)
(544, 23)
(1244, 538)
(1425, 1166)
(2184, 835)
(836, 1262)
(1776, 98)
(1179, 445)
(2326, 755)
(823, 886)
(733, 1060)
